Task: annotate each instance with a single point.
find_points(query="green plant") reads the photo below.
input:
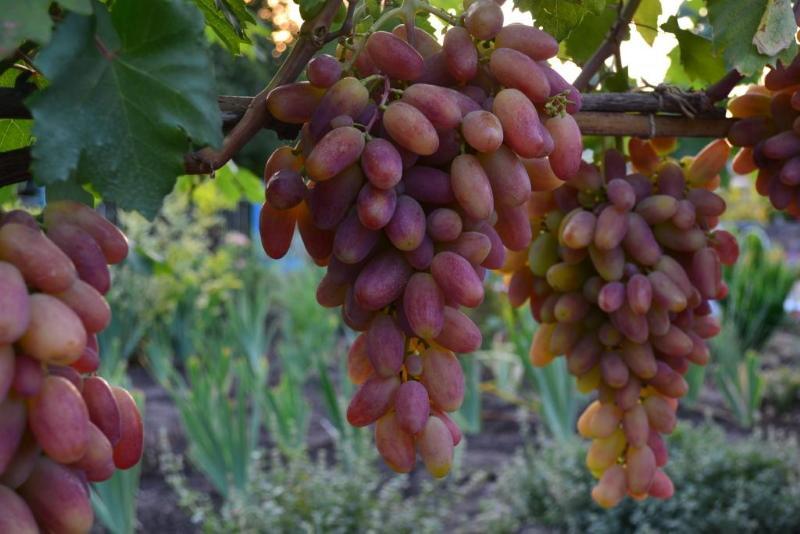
(751, 485)
(178, 275)
(298, 494)
(218, 404)
(782, 388)
(556, 393)
(305, 341)
(758, 286)
(114, 501)
(737, 375)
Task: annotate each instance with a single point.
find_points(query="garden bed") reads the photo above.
(487, 452)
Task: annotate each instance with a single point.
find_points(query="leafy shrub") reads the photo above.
(296, 494)
(752, 485)
(758, 285)
(782, 388)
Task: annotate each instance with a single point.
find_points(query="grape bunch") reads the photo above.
(769, 133)
(409, 180)
(61, 425)
(620, 277)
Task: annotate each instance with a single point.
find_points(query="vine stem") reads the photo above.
(384, 97)
(313, 35)
(723, 87)
(610, 45)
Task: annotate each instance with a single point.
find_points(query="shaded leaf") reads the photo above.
(84, 7)
(310, 8)
(23, 20)
(140, 77)
(735, 24)
(697, 56)
(69, 190)
(618, 82)
(230, 36)
(646, 19)
(560, 17)
(589, 34)
(676, 74)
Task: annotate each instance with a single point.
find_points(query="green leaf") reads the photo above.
(8, 194)
(373, 8)
(588, 35)
(776, 29)
(738, 24)
(69, 190)
(424, 23)
(229, 34)
(14, 133)
(252, 186)
(22, 21)
(310, 8)
(82, 7)
(646, 19)
(618, 82)
(560, 17)
(238, 9)
(676, 74)
(140, 78)
(697, 56)
(30, 20)
(448, 5)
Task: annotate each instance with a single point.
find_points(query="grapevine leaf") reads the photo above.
(776, 29)
(618, 82)
(30, 20)
(448, 5)
(22, 21)
(560, 17)
(676, 74)
(646, 19)
(252, 186)
(588, 35)
(128, 90)
(221, 25)
(373, 8)
(69, 190)
(424, 23)
(84, 7)
(14, 133)
(8, 194)
(737, 24)
(310, 8)
(697, 56)
(238, 9)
